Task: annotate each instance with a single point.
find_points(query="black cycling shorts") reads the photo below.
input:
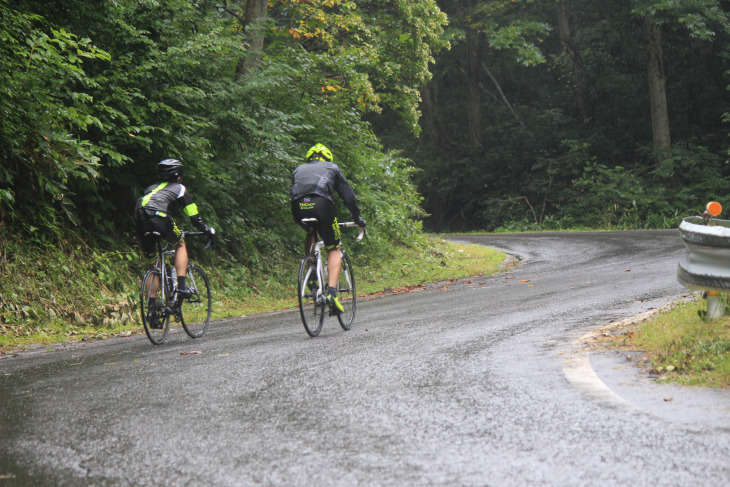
(164, 225)
(324, 211)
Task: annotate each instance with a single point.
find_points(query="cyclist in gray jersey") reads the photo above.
(313, 184)
(153, 213)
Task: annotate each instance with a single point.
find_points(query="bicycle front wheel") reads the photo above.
(198, 307)
(155, 316)
(311, 307)
(346, 293)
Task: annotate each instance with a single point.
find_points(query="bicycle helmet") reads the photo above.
(170, 168)
(320, 153)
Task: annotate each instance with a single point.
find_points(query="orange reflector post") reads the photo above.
(714, 208)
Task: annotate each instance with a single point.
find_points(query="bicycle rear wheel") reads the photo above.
(311, 306)
(346, 293)
(155, 316)
(198, 307)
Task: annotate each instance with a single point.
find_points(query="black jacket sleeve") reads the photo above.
(348, 196)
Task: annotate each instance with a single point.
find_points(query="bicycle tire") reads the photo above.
(311, 311)
(156, 324)
(346, 293)
(198, 307)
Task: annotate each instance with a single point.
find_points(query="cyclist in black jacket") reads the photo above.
(311, 197)
(153, 213)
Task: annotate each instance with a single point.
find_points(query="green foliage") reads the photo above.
(701, 18)
(364, 54)
(166, 85)
(565, 133)
(46, 105)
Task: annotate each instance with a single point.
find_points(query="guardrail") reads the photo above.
(706, 264)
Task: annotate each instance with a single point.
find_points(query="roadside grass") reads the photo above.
(56, 295)
(679, 346)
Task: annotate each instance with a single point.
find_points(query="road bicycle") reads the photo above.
(312, 285)
(160, 303)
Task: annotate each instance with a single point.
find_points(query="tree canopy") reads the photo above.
(554, 113)
(96, 93)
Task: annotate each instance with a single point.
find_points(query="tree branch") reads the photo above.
(502, 96)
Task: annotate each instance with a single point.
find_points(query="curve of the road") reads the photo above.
(477, 382)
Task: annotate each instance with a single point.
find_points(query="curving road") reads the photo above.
(476, 382)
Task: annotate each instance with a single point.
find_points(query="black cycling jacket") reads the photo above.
(322, 178)
(163, 199)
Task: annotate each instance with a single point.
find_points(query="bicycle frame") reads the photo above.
(162, 254)
(321, 273)
(168, 289)
(319, 261)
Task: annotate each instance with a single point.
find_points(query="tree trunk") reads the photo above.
(657, 90)
(574, 56)
(433, 125)
(253, 23)
(475, 42)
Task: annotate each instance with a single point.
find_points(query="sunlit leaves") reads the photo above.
(378, 52)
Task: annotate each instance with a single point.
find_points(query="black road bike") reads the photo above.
(160, 303)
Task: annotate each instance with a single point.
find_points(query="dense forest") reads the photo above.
(443, 114)
(573, 113)
(95, 93)
(557, 113)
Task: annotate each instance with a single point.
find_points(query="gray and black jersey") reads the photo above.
(322, 178)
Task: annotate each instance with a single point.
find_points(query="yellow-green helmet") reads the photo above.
(320, 153)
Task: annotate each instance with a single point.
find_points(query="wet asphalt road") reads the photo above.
(465, 383)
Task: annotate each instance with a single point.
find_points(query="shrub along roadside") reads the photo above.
(56, 294)
(681, 347)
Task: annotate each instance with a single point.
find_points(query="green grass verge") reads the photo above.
(55, 295)
(681, 347)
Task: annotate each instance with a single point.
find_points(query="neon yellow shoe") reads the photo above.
(335, 305)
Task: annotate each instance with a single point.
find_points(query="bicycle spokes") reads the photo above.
(198, 306)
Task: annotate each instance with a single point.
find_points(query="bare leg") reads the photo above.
(334, 264)
(181, 259)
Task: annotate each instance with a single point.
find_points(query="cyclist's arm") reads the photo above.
(191, 211)
(348, 196)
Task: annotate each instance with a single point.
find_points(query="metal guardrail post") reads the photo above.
(715, 305)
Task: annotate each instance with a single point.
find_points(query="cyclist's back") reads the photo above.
(164, 197)
(322, 178)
